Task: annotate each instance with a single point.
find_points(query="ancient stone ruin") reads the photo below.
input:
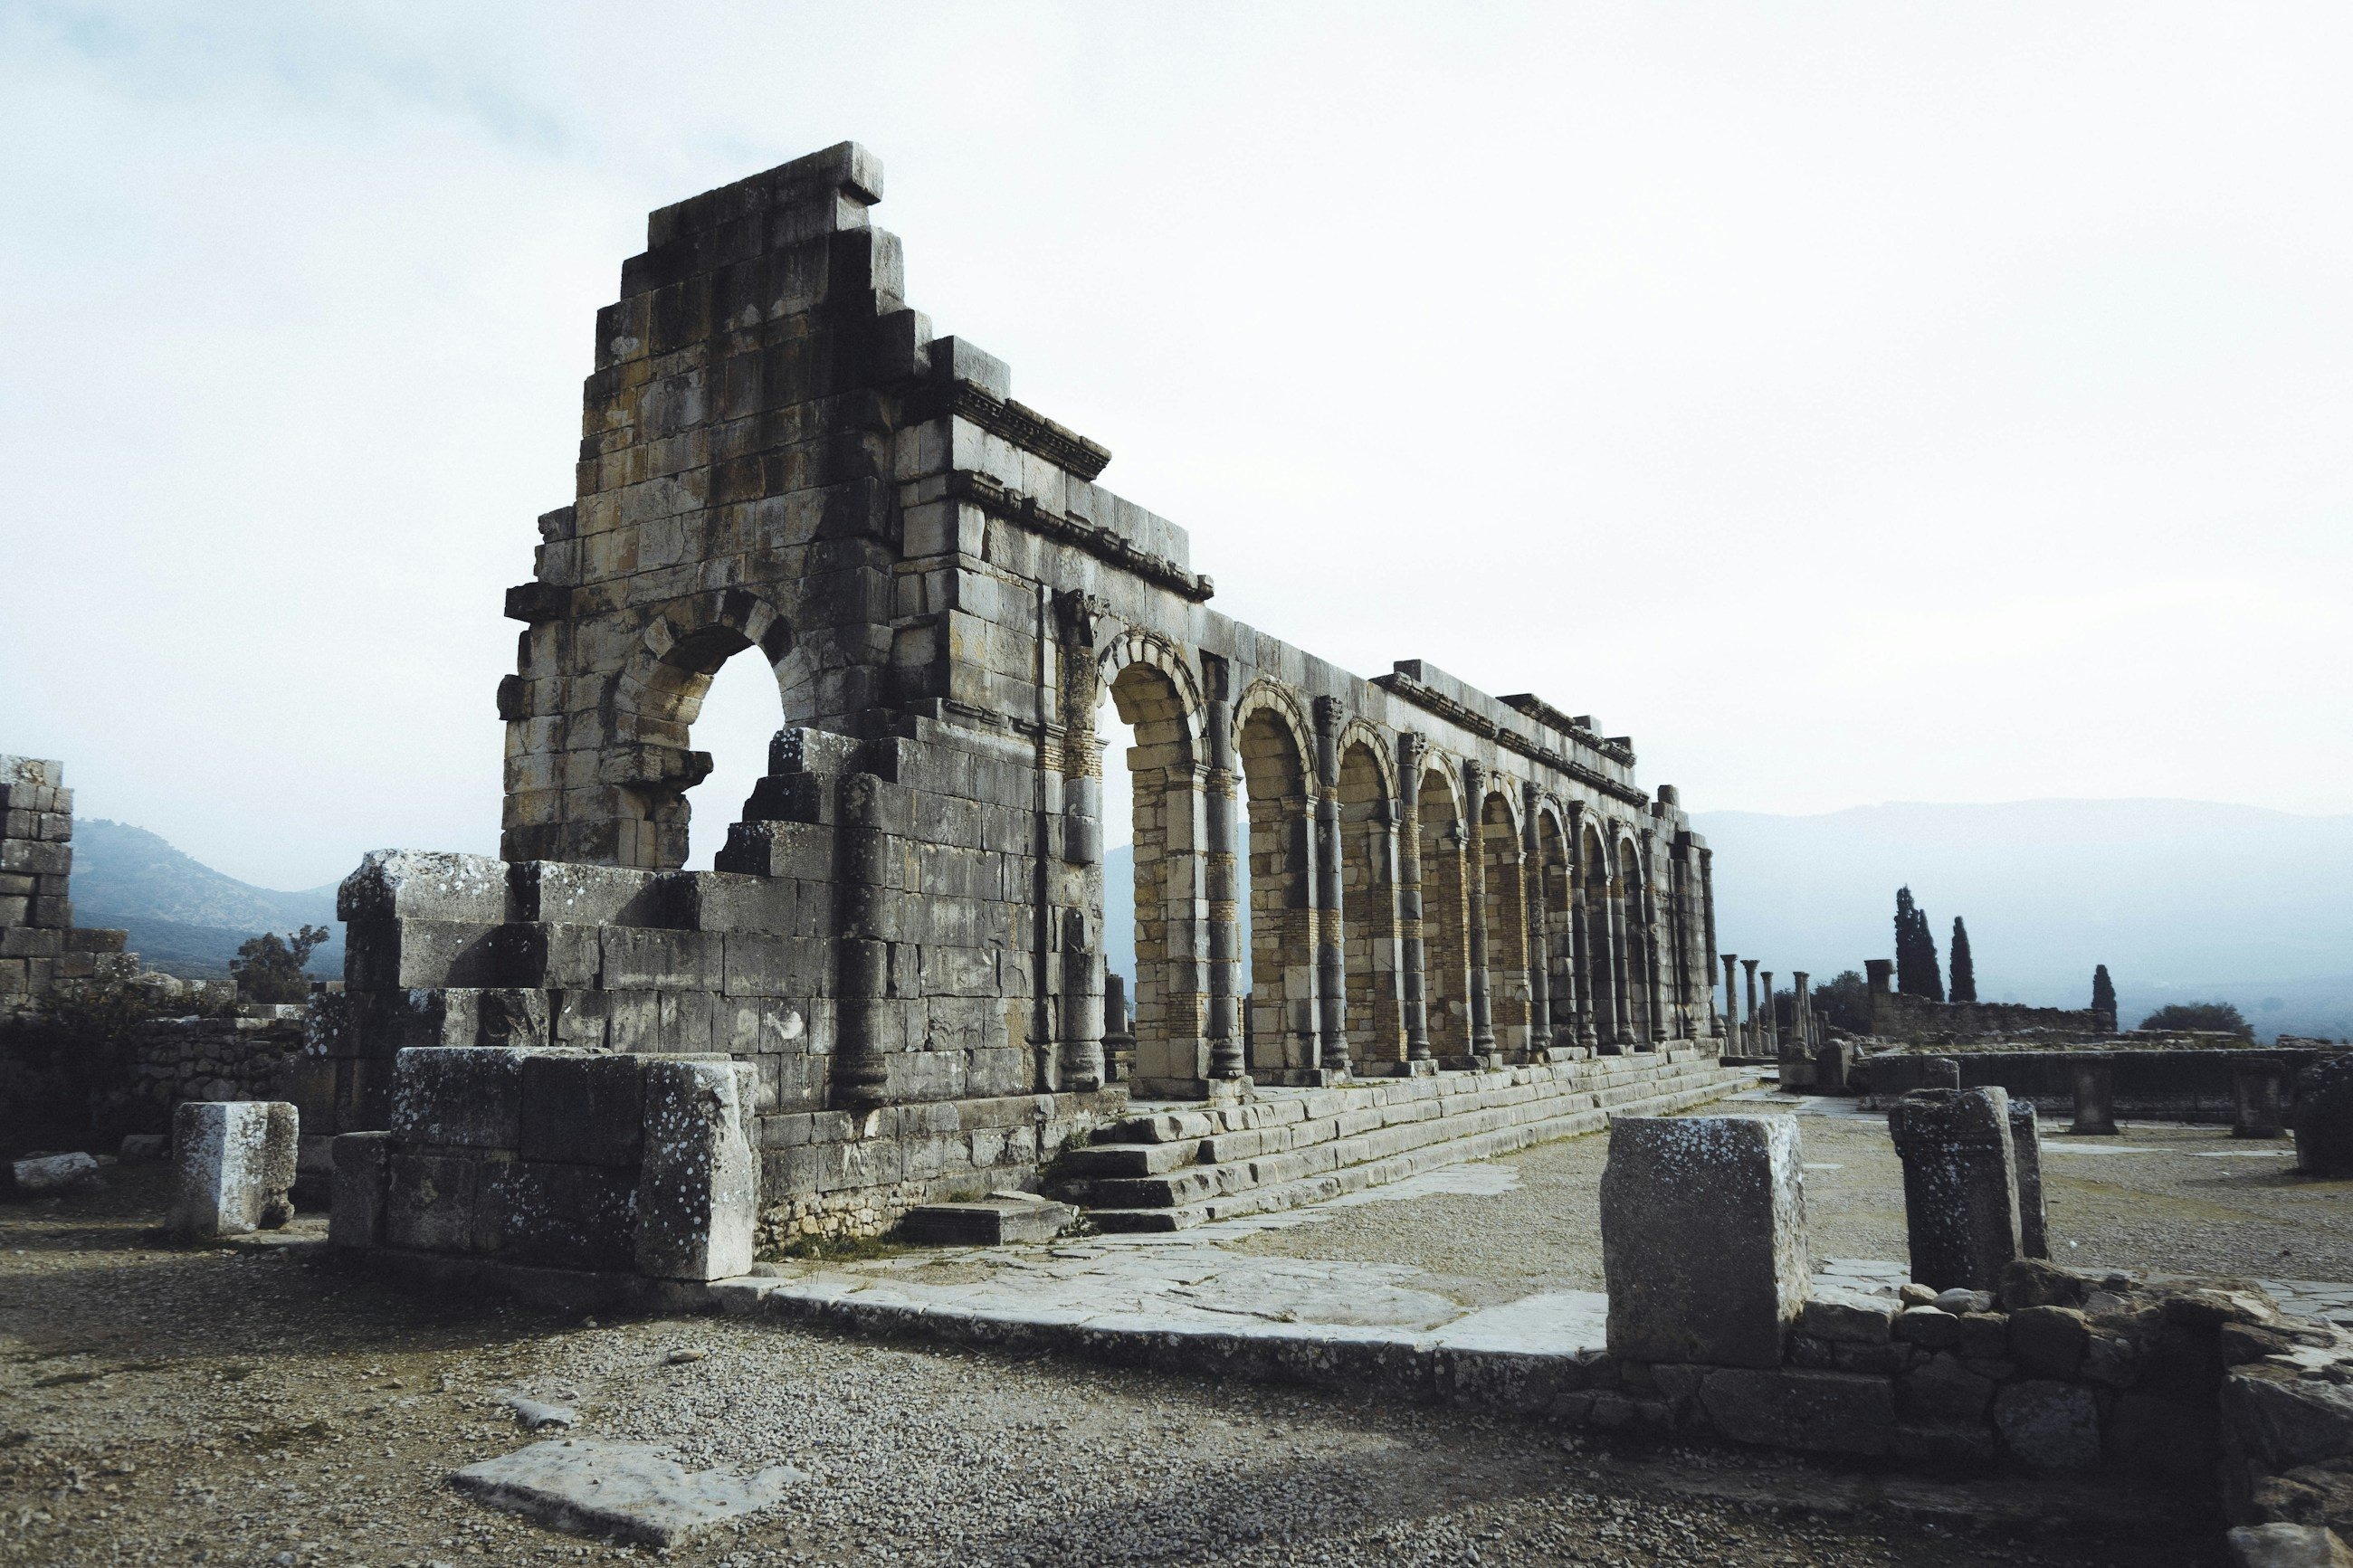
(902, 942)
(39, 944)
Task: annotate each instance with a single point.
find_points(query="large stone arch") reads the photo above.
(653, 703)
(1152, 687)
(1551, 897)
(1630, 887)
(1274, 754)
(1604, 990)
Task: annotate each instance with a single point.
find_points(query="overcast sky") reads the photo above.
(1852, 403)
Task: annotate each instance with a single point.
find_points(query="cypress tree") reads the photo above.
(2104, 991)
(1932, 971)
(1908, 950)
(1965, 969)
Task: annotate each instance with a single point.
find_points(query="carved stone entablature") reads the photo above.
(1015, 422)
(1103, 543)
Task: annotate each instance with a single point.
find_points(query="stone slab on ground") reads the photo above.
(633, 1490)
(53, 1173)
(2287, 1546)
(989, 1222)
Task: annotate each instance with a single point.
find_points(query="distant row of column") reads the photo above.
(1755, 1033)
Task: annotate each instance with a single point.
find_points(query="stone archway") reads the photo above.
(1154, 695)
(1271, 746)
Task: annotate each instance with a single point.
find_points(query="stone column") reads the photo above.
(1331, 954)
(1412, 747)
(861, 894)
(2096, 1096)
(1801, 1013)
(2026, 1143)
(1474, 880)
(1704, 1238)
(1750, 1032)
(1119, 1030)
(1081, 956)
(2255, 1086)
(1221, 883)
(1960, 1186)
(1733, 1038)
(1772, 1035)
(1532, 887)
(1613, 912)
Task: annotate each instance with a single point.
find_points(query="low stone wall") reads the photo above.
(243, 1055)
(2150, 1085)
(548, 1158)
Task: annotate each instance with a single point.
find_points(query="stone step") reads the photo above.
(1325, 1146)
(1371, 1168)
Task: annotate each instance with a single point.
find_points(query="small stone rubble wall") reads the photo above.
(39, 944)
(243, 1056)
(1916, 1020)
(2150, 1084)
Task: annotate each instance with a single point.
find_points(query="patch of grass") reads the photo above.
(835, 1248)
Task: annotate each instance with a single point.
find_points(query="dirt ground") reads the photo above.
(238, 1406)
(2156, 1198)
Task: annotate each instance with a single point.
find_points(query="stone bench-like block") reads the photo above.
(233, 1166)
(1960, 1184)
(1702, 1238)
(699, 1185)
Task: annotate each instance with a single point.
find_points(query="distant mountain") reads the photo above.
(184, 917)
(2183, 901)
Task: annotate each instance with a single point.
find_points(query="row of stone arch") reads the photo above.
(1406, 905)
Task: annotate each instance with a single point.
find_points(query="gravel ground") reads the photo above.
(2199, 1201)
(233, 1406)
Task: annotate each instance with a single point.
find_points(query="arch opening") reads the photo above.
(1373, 960)
(1506, 912)
(1445, 918)
(1279, 1018)
(1149, 749)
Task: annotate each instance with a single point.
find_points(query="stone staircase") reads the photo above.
(1181, 1167)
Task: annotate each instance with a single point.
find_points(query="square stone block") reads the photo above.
(458, 1096)
(233, 1166)
(1702, 1238)
(698, 1185)
(581, 1107)
(357, 1220)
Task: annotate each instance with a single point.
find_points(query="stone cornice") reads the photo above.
(1103, 543)
(1015, 422)
(1455, 714)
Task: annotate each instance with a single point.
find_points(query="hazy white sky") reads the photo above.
(1852, 402)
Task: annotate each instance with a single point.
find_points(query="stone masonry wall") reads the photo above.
(39, 944)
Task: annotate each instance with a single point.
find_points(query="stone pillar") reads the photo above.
(1704, 1238)
(1221, 879)
(698, 1184)
(1749, 1030)
(870, 811)
(1538, 920)
(2026, 1143)
(1772, 1018)
(1580, 931)
(1733, 1038)
(2255, 1085)
(1960, 1186)
(1653, 984)
(2096, 1096)
(1474, 880)
(1707, 929)
(1119, 1029)
(232, 1167)
(1331, 953)
(1412, 748)
(1621, 999)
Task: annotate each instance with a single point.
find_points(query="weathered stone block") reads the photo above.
(2049, 1426)
(233, 1166)
(356, 1218)
(2324, 1118)
(558, 1216)
(2048, 1342)
(1821, 1412)
(429, 1201)
(2095, 1081)
(2026, 1145)
(581, 1107)
(697, 1186)
(458, 1096)
(1703, 1236)
(1849, 1317)
(411, 884)
(2283, 1545)
(1960, 1184)
(1943, 1389)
